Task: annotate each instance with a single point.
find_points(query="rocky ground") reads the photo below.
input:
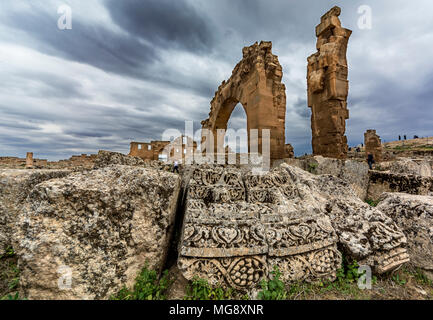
(92, 231)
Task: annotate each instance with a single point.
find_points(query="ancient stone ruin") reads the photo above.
(289, 151)
(238, 225)
(29, 160)
(373, 145)
(328, 87)
(147, 150)
(256, 84)
(179, 149)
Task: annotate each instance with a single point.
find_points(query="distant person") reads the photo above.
(404, 137)
(176, 166)
(370, 160)
(358, 149)
(399, 138)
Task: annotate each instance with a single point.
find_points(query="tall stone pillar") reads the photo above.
(328, 87)
(29, 160)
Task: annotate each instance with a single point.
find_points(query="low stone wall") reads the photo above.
(381, 182)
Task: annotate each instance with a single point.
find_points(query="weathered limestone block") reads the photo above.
(256, 84)
(15, 186)
(287, 218)
(328, 87)
(380, 182)
(351, 171)
(414, 215)
(373, 145)
(107, 158)
(101, 227)
(408, 166)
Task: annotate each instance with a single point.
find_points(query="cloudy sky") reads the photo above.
(129, 69)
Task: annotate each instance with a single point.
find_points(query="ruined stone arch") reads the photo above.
(255, 84)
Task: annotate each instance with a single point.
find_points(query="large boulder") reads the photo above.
(15, 186)
(414, 215)
(86, 235)
(238, 226)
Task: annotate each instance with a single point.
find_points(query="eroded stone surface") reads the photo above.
(408, 167)
(101, 227)
(414, 215)
(106, 158)
(328, 87)
(351, 171)
(15, 186)
(238, 226)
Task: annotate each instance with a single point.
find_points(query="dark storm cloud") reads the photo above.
(145, 66)
(91, 44)
(301, 108)
(174, 24)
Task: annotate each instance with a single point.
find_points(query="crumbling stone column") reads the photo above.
(29, 160)
(328, 87)
(373, 145)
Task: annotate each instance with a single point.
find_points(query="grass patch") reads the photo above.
(312, 167)
(9, 276)
(372, 203)
(200, 289)
(148, 286)
(273, 289)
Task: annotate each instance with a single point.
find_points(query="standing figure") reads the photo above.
(176, 166)
(370, 161)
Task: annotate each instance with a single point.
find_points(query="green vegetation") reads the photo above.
(273, 289)
(9, 296)
(396, 278)
(9, 276)
(200, 289)
(147, 287)
(312, 167)
(8, 254)
(372, 203)
(421, 278)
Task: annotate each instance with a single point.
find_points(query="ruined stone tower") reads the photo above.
(29, 160)
(328, 87)
(373, 145)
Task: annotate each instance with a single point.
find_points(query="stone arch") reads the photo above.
(255, 84)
